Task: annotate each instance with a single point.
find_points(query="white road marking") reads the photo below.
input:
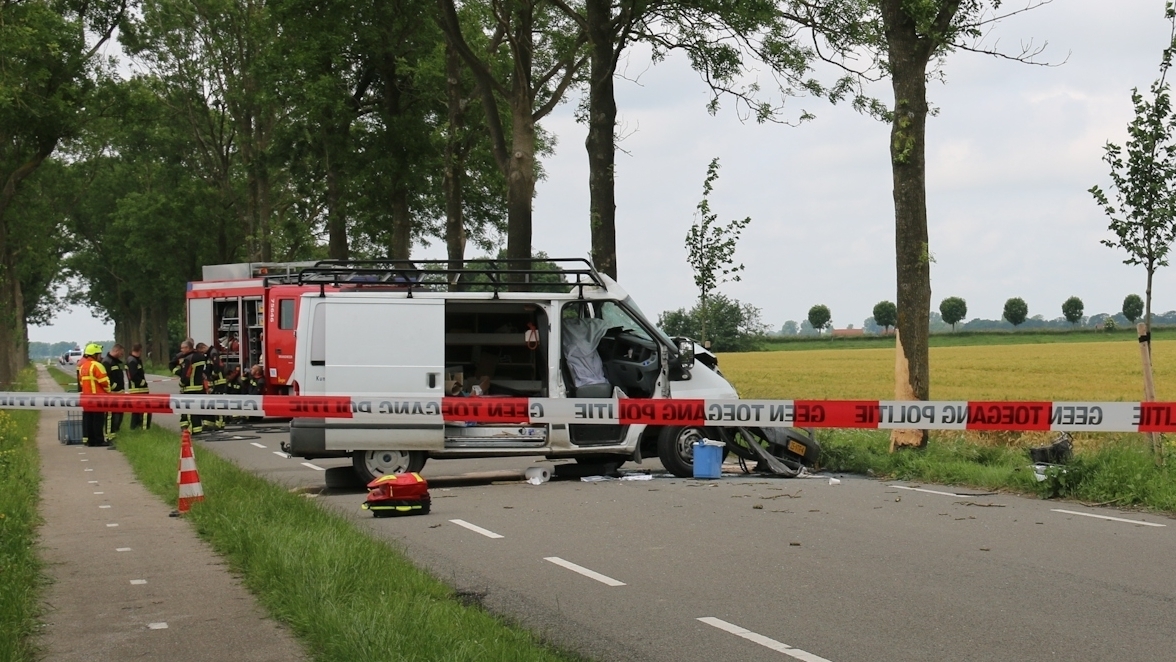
(1108, 517)
(254, 443)
(157, 626)
(766, 642)
(137, 582)
(84, 460)
(100, 493)
(281, 454)
(313, 466)
(475, 528)
(591, 574)
(111, 525)
(122, 549)
(103, 506)
(950, 494)
(87, 469)
(92, 482)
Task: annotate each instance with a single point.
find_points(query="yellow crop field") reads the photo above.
(1099, 371)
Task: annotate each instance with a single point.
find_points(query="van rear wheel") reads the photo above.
(370, 465)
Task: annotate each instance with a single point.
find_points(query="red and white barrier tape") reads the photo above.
(870, 414)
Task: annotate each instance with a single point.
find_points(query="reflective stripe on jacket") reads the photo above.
(92, 377)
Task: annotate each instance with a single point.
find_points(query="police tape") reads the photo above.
(866, 414)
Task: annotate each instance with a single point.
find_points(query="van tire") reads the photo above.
(675, 449)
(370, 465)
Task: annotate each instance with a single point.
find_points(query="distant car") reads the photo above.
(71, 357)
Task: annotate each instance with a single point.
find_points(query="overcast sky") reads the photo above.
(1009, 160)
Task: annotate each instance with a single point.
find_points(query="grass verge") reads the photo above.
(1107, 469)
(66, 380)
(346, 595)
(21, 577)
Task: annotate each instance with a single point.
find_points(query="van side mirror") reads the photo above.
(685, 352)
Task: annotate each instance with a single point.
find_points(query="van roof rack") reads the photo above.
(517, 275)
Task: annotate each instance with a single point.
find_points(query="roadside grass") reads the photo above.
(66, 380)
(1108, 469)
(346, 595)
(21, 571)
(1090, 371)
(964, 339)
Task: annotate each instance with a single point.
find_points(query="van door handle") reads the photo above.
(432, 379)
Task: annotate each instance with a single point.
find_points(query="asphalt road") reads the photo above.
(747, 568)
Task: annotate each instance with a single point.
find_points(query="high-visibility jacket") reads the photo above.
(136, 376)
(92, 377)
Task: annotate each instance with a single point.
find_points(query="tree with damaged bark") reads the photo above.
(49, 68)
(910, 40)
(1143, 214)
(544, 52)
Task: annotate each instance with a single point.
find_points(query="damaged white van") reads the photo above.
(554, 328)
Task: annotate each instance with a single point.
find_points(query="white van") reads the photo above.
(492, 328)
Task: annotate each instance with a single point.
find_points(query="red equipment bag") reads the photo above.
(398, 494)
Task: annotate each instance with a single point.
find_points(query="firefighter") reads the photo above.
(189, 366)
(233, 387)
(215, 375)
(92, 380)
(137, 384)
(116, 372)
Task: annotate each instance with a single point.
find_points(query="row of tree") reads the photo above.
(953, 310)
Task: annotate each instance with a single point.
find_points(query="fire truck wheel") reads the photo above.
(370, 465)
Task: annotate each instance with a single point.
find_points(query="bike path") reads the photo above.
(129, 582)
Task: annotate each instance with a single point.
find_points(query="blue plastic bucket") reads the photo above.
(708, 459)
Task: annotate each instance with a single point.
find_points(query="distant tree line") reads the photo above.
(1014, 316)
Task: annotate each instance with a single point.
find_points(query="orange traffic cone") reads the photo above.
(188, 479)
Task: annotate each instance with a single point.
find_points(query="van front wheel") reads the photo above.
(675, 449)
(370, 465)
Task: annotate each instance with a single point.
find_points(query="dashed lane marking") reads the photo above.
(137, 582)
(766, 642)
(475, 528)
(122, 549)
(281, 454)
(111, 525)
(104, 506)
(314, 466)
(87, 469)
(100, 493)
(1107, 517)
(84, 460)
(591, 574)
(157, 626)
(254, 443)
(92, 482)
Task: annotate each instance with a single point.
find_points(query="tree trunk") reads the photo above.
(520, 172)
(908, 57)
(400, 247)
(337, 248)
(1151, 269)
(158, 350)
(601, 140)
(455, 237)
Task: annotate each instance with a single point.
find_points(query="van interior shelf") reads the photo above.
(499, 339)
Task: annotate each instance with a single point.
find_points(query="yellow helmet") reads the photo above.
(92, 349)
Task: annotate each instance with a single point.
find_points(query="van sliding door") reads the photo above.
(390, 347)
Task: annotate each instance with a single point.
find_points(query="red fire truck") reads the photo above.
(248, 312)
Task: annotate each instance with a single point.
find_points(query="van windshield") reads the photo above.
(635, 310)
